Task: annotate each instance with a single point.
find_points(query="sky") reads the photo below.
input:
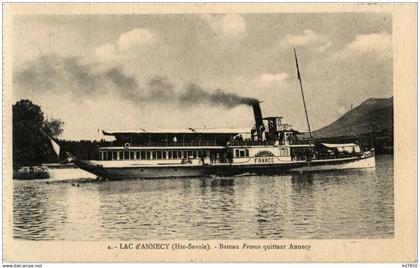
(122, 72)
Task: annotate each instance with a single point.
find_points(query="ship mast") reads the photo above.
(303, 96)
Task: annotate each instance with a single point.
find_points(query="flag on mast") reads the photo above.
(54, 144)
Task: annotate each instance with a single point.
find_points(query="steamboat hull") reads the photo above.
(223, 169)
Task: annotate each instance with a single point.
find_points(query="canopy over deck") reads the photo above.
(344, 147)
(181, 131)
(176, 137)
(332, 145)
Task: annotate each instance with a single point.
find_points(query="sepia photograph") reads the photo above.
(216, 126)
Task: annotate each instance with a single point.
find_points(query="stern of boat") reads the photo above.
(368, 159)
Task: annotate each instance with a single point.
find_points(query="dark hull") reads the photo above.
(161, 171)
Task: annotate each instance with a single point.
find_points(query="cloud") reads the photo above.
(309, 38)
(230, 25)
(106, 51)
(128, 42)
(378, 43)
(136, 38)
(267, 80)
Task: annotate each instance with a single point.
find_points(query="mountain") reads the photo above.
(372, 116)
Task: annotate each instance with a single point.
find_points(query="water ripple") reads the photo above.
(346, 204)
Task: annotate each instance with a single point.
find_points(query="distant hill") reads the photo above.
(372, 116)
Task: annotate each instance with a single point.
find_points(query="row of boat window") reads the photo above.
(140, 155)
(133, 155)
(176, 154)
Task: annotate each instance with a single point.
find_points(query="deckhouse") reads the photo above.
(174, 144)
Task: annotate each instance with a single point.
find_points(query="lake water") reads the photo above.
(345, 204)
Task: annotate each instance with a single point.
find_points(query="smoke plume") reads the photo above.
(62, 75)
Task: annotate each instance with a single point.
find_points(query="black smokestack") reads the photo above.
(259, 125)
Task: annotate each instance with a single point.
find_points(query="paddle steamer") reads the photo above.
(270, 147)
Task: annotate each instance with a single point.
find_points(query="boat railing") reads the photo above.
(175, 144)
(268, 143)
(210, 143)
(250, 143)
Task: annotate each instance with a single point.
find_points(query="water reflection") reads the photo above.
(270, 214)
(302, 183)
(39, 214)
(216, 182)
(345, 204)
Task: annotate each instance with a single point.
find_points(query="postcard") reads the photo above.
(209, 132)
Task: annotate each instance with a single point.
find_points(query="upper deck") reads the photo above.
(189, 137)
(276, 134)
